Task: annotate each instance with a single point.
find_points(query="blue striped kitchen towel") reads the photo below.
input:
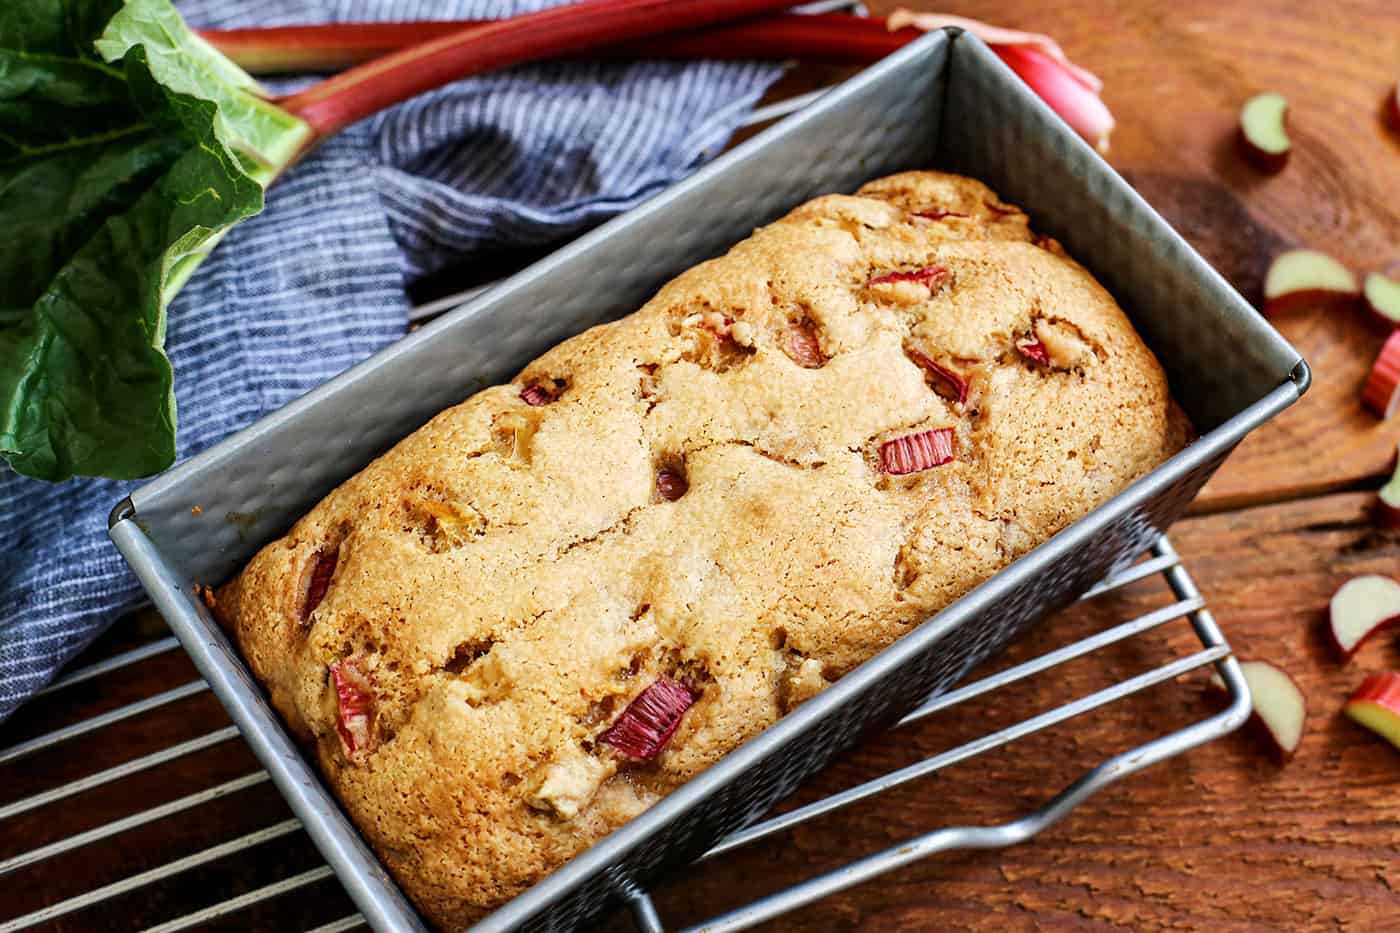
(316, 282)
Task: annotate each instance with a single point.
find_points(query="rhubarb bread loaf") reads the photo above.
(564, 597)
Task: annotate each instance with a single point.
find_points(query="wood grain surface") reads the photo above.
(1219, 839)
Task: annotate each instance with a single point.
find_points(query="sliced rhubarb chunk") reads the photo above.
(1033, 350)
(938, 215)
(946, 382)
(930, 276)
(1376, 705)
(1381, 296)
(803, 347)
(1381, 393)
(649, 721)
(1280, 709)
(316, 579)
(1263, 134)
(914, 452)
(536, 394)
(1361, 607)
(1299, 279)
(671, 485)
(1388, 498)
(354, 695)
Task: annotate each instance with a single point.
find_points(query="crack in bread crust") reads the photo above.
(515, 573)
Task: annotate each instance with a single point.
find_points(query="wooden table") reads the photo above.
(1220, 839)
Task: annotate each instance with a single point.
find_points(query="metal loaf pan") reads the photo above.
(943, 102)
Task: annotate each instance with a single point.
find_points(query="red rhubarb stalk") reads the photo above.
(367, 89)
(835, 38)
(832, 38)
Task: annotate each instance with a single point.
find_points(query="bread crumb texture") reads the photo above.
(788, 458)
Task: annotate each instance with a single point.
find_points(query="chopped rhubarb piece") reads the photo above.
(1361, 607)
(938, 215)
(715, 339)
(1280, 710)
(803, 346)
(354, 705)
(930, 276)
(573, 28)
(536, 395)
(1033, 350)
(317, 577)
(946, 383)
(649, 721)
(1381, 393)
(1300, 279)
(1388, 500)
(1262, 135)
(1376, 705)
(1381, 296)
(671, 485)
(914, 452)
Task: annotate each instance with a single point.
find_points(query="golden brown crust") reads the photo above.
(508, 578)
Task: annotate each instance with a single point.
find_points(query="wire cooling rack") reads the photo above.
(267, 824)
(62, 798)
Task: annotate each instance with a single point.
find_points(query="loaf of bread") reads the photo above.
(562, 598)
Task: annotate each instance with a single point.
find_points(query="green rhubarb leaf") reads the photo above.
(128, 147)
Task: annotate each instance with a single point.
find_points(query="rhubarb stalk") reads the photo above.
(366, 89)
(830, 38)
(1071, 91)
(210, 142)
